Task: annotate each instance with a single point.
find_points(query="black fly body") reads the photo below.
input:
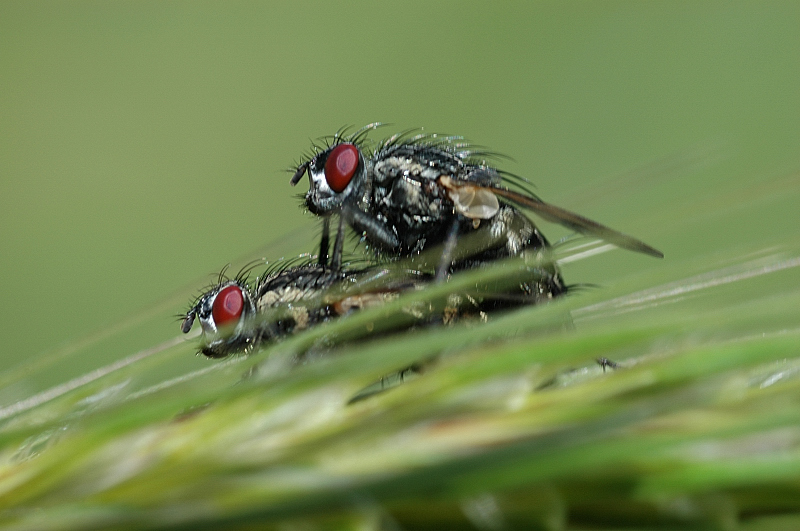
(412, 193)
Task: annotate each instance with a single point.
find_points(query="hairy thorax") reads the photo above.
(407, 196)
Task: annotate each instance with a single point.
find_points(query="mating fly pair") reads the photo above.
(406, 197)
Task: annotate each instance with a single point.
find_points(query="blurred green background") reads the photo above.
(143, 144)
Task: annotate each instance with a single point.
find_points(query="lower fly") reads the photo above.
(235, 317)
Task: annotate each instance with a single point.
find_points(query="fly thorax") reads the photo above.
(284, 295)
(391, 168)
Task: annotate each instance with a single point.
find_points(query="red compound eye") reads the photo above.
(228, 305)
(341, 166)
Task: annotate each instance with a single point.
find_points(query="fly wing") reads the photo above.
(577, 222)
(474, 202)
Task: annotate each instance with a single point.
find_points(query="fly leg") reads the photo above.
(373, 230)
(447, 252)
(324, 241)
(606, 363)
(338, 246)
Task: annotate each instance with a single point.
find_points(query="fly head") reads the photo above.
(334, 175)
(223, 313)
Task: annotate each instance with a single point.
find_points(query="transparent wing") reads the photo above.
(577, 222)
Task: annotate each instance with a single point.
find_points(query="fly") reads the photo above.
(236, 318)
(411, 193)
